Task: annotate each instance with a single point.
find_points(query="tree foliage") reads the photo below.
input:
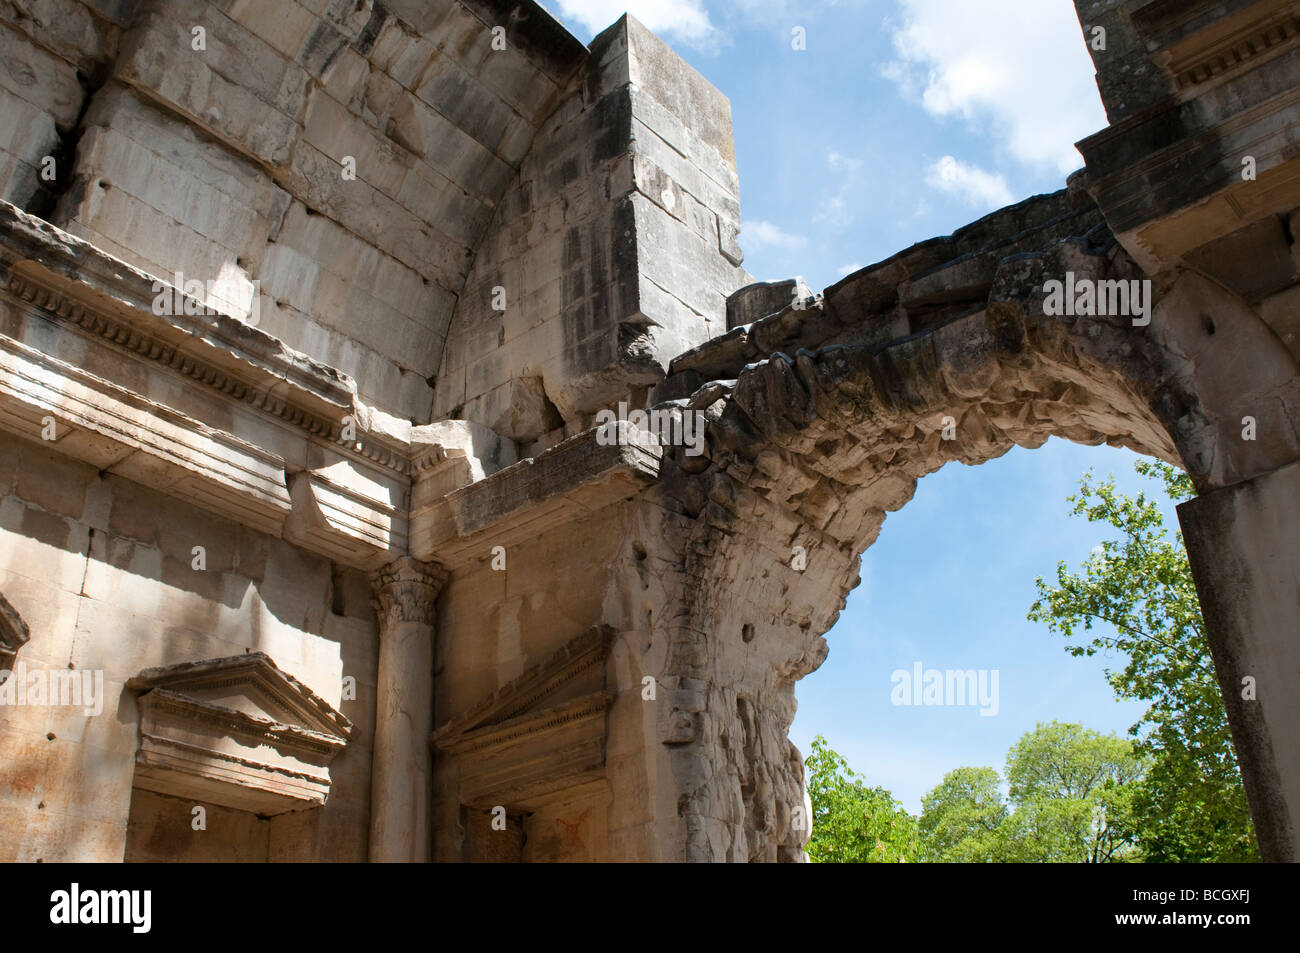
(1190, 805)
(1170, 793)
(961, 819)
(1071, 789)
(1069, 803)
(853, 823)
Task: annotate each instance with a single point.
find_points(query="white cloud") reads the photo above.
(684, 19)
(845, 270)
(1021, 66)
(760, 234)
(842, 163)
(834, 210)
(969, 183)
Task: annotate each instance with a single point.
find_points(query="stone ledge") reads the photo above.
(572, 479)
(69, 268)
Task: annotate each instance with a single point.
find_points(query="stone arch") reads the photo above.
(812, 446)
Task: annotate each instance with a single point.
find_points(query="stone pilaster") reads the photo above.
(1243, 543)
(405, 592)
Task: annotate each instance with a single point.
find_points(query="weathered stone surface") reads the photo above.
(350, 477)
(609, 258)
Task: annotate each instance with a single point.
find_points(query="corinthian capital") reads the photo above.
(405, 591)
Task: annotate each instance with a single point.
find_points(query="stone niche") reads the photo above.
(536, 748)
(237, 733)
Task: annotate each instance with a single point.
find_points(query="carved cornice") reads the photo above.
(406, 590)
(288, 698)
(76, 283)
(255, 393)
(1237, 51)
(237, 732)
(589, 708)
(1198, 49)
(580, 655)
(236, 724)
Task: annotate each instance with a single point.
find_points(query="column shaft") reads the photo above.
(405, 591)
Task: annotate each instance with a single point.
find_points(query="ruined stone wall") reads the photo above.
(600, 640)
(102, 570)
(613, 250)
(53, 52)
(341, 160)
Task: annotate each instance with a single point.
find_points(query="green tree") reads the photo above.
(1070, 791)
(853, 823)
(1190, 806)
(962, 818)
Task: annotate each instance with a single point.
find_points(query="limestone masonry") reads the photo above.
(334, 336)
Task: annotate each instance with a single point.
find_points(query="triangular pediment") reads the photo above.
(250, 684)
(565, 685)
(238, 732)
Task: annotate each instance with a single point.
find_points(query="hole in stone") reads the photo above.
(747, 632)
(639, 550)
(50, 736)
(1209, 323)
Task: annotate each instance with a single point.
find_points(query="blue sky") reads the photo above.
(902, 120)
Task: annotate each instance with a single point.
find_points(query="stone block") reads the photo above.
(34, 75)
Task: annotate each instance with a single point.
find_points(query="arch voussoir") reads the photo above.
(806, 455)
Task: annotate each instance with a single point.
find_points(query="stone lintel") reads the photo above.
(570, 480)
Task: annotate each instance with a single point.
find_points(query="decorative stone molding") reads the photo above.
(539, 737)
(405, 591)
(1196, 46)
(237, 732)
(575, 477)
(353, 527)
(13, 633)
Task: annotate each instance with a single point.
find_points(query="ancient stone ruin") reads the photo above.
(330, 509)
